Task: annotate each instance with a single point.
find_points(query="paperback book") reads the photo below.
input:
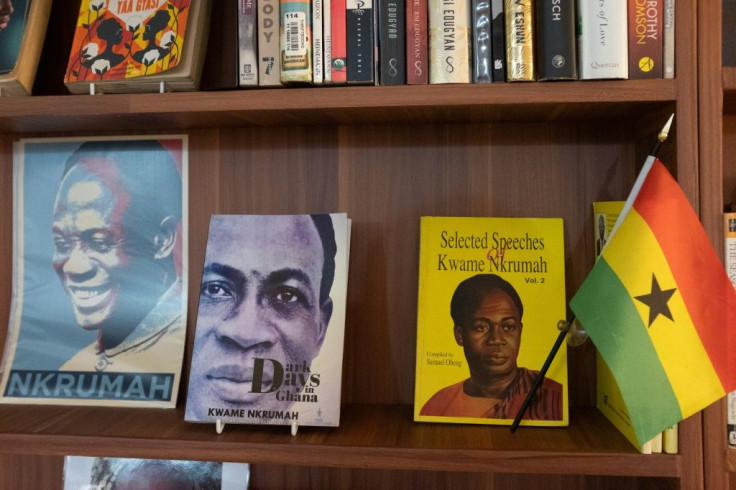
(100, 473)
(129, 46)
(602, 39)
(646, 33)
(22, 31)
(491, 293)
(608, 395)
(729, 259)
(450, 41)
(269, 335)
(247, 43)
(98, 310)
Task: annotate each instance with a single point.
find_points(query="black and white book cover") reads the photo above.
(270, 326)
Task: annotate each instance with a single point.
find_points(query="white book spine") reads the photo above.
(247, 35)
(318, 63)
(449, 41)
(669, 39)
(327, 36)
(269, 56)
(603, 39)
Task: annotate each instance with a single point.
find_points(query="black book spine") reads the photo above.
(556, 53)
(498, 41)
(360, 41)
(392, 42)
(481, 41)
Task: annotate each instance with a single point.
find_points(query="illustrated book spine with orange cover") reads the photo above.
(491, 293)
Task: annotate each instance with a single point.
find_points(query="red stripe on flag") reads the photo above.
(701, 279)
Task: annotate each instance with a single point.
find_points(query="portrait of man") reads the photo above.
(115, 230)
(100, 271)
(265, 309)
(487, 323)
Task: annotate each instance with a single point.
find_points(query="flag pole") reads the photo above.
(564, 326)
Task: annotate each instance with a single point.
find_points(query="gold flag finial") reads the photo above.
(666, 129)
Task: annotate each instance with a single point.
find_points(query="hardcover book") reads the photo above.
(646, 32)
(417, 68)
(339, 56)
(100, 473)
(296, 42)
(491, 293)
(269, 53)
(269, 336)
(450, 41)
(22, 31)
(360, 26)
(481, 41)
(247, 43)
(520, 64)
(129, 46)
(99, 303)
(392, 42)
(498, 41)
(602, 39)
(556, 43)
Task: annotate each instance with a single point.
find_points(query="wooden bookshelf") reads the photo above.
(386, 156)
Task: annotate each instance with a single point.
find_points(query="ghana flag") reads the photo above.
(659, 307)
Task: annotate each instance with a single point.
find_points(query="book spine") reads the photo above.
(498, 41)
(360, 27)
(481, 41)
(645, 38)
(317, 43)
(296, 41)
(247, 41)
(602, 39)
(327, 44)
(519, 41)
(668, 56)
(269, 57)
(449, 41)
(729, 259)
(339, 43)
(556, 51)
(417, 68)
(392, 42)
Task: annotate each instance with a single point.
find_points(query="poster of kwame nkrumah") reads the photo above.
(98, 309)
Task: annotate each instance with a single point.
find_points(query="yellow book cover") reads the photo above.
(608, 396)
(491, 293)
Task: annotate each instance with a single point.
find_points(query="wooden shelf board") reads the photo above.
(370, 436)
(336, 105)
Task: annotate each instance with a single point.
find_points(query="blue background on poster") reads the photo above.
(11, 36)
(49, 335)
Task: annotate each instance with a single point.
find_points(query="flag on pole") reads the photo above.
(659, 307)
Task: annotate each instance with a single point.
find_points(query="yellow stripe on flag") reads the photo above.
(635, 256)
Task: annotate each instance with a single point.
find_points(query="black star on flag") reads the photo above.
(657, 300)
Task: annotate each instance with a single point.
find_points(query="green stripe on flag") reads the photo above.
(606, 310)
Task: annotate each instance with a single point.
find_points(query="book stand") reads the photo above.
(93, 90)
(220, 426)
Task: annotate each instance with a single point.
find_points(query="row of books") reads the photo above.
(99, 310)
(144, 46)
(454, 41)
